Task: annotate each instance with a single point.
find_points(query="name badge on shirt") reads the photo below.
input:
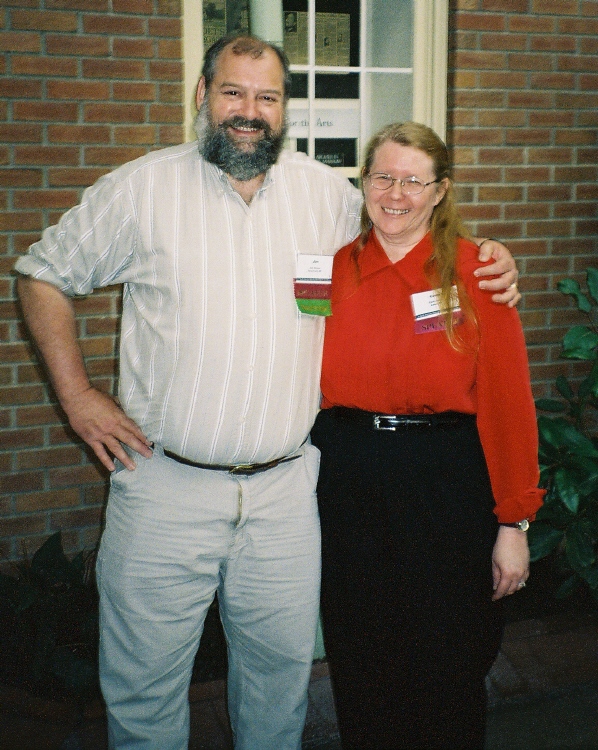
(313, 284)
(427, 311)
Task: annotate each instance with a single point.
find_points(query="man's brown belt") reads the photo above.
(244, 469)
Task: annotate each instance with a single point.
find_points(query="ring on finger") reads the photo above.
(521, 585)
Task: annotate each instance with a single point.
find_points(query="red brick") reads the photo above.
(114, 113)
(482, 22)
(502, 117)
(477, 212)
(19, 525)
(166, 113)
(166, 71)
(111, 156)
(13, 87)
(17, 221)
(85, 5)
(169, 48)
(575, 210)
(502, 156)
(527, 174)
(531, 99)
(134, 91)
(78, 134)
(553, 43)
(44, 20)
(527, 211)
(77, 518)
(81, 45)
(140, 134)
(21, 177)
(500, 193)
(76, 475)
(531, 23)
(15, 439)
(144, 7)
(479, 136)
(44, 111)
(504, 41)
(164, 27)
(169, 7)
(19, 42)
(48, 457)
(83, 90)
(36, 501)
(100, 68)
(527, 136)
(45, 198)
(549, 228)
(552, 119)
(118, 25)
(171, 92)
(575, 137)
(549, 155)
(42, 155)
(475, 60)
(19, 133)
(22, 481)
(82, 177)
(587, 192)
(553, 81)
(578, 26)
(133, 48)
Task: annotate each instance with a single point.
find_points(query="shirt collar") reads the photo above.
(373, 258)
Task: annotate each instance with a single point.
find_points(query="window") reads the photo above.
(357, 64)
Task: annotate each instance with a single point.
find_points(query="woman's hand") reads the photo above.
(510, 561)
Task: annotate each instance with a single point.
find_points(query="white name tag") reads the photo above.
(428, 313)
(314, 267)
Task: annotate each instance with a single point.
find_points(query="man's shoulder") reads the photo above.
(164, 157)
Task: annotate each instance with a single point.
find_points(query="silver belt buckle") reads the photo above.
(379, 426)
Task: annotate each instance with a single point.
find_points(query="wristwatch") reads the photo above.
(521, 525)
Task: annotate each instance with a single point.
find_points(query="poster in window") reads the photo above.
(332, 44)
(221, 17)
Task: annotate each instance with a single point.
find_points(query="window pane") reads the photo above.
(389, 34)
(337, 85)
(388, 98)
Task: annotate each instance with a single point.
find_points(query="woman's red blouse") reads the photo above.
(374, 360)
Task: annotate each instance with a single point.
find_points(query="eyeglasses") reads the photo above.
(410, 186)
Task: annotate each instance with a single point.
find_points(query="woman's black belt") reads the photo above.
(373, 421)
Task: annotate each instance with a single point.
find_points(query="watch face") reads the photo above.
(523, 525)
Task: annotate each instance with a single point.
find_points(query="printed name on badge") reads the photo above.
(428, 314)
(313, 284)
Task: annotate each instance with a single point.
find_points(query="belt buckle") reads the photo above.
(242, 469)
(378, 423)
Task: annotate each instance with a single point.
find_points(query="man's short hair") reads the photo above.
(244, 44)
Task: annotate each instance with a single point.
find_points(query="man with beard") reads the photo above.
(219, 387)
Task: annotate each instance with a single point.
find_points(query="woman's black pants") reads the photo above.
(410, 629)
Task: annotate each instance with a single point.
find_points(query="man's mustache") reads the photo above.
(239, 121)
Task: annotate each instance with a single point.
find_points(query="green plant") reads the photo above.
(49, 624)
(567, 524)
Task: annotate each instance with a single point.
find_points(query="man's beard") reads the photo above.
(216, 145)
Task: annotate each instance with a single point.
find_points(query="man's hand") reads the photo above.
(504, 268)
(102, 424)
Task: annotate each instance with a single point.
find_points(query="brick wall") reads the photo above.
(85, 85)
(88, 84)
(523, 103)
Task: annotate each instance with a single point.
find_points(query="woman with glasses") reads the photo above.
(429, 469)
